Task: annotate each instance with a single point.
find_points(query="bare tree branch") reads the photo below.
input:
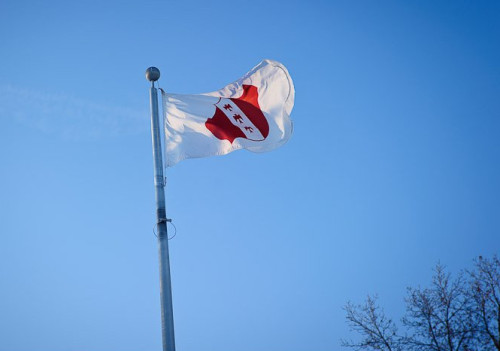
(446, 311)
(485, 295)
(455, 313)
(378, 332)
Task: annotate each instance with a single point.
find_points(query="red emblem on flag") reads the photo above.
(239, 117)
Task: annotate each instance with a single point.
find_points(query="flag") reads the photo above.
(252, 113)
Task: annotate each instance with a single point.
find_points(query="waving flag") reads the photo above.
(252, 113)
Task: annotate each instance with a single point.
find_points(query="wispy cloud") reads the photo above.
(70, 117)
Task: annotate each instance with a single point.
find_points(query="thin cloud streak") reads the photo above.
(70, 117)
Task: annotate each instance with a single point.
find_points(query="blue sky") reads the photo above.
(393, 166)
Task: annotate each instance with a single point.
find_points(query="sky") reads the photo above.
(393, 167)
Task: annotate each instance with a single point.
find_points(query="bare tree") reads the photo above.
(378, 331)
(485, 294)
(439, 318)
(459, 313)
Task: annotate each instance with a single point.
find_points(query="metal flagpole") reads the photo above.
(167, 316)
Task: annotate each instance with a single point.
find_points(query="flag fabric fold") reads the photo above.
(252, 113)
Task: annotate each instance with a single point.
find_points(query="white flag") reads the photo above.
(252, 113)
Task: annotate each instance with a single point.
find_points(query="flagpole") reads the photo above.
(167, 315)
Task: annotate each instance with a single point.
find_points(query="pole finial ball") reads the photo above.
(152, 74)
